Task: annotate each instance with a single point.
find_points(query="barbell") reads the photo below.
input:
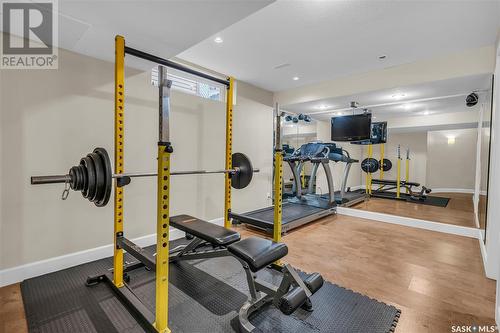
(93, 176)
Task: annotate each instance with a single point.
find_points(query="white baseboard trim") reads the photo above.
(482, 247)
(37, 268)
(411, 222)
(476, 218)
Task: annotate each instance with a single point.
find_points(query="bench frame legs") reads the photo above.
(189, 252)
(262, 292)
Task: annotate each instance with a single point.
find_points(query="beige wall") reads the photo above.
(452, 165)
(50, 119)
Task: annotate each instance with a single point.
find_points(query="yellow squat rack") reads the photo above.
(158, 321)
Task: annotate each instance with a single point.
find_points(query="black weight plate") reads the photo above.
(369, 165)
(84, 182)
(79, 178)
(82, 168)
(72, 174)
(91, 187)
(385, 165)
(242, 178)
(99, 176)
(108, 176)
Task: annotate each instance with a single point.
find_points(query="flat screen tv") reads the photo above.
(352, 128)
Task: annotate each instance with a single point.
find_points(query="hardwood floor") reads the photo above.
(436, 279)
(459, 211)
(12, 319)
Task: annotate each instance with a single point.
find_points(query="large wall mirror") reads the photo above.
(440, 133)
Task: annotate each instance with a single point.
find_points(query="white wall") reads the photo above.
(441, 121)
(493, 215)
(452, 165)
(50, 119)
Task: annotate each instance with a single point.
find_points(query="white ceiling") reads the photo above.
(163, 28)
(418, 100)
(324, 40)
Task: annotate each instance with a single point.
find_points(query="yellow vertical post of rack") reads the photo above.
(163, 203)
(278, 194)
(278, 179)
(367, 177)
(407, 175)
(229, 148)
(382, 152)
(119, 138)
(398, 180)
(162, 245)
(368, 174)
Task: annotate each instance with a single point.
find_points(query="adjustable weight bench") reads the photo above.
(387, 185)
(204, 233)
(255, 254)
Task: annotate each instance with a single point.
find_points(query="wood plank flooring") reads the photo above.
(436, 279)
(459, 211)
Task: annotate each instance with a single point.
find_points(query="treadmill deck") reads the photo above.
(293, 216)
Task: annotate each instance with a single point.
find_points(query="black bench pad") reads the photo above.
(258, 252)
(207, 231)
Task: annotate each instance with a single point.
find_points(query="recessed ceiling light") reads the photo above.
(218, 40)
(382, 57)
(322, 107)
(295, 78)
(339, 113)
(374, 117)
(425, 113)
(408, 106)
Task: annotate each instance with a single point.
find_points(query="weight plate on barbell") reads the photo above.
(99, 177)
(243, 177)
(88, 168)
(79, 178)
(369, 165)
(385, 165)
(72, 175)
(106, 164)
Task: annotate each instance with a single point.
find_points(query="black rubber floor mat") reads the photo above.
(430, 200)
(205, 296)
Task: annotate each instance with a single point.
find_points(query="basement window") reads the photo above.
(189, 85)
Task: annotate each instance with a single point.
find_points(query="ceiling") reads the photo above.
(323, 40)
(417, 100)
(163, 28)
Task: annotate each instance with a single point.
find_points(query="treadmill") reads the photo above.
(302, 208)
(345, 197)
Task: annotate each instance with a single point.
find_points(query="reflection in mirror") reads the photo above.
(437, 147)
(295, 134)
(484, 158)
